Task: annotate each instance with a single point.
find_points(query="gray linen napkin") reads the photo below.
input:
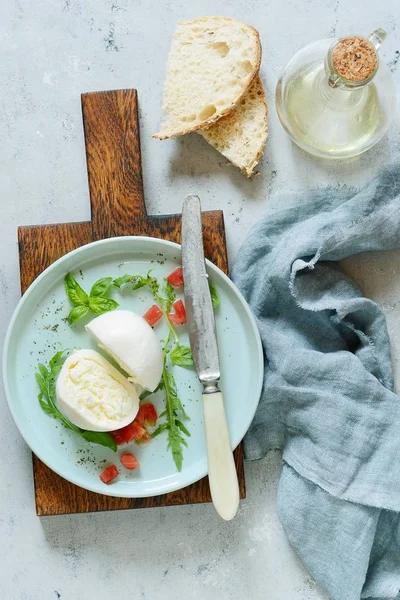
(328, 397)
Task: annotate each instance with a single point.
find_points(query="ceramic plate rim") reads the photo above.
(14, 318)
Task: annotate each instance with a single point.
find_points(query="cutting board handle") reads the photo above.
(111, 127)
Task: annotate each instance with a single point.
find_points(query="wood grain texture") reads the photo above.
(117, 203)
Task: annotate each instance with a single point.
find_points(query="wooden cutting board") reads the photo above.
(112, 143)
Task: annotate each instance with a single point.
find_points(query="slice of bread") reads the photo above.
(241, 135)
(212, 62)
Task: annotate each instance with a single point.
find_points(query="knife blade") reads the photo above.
(203, 340)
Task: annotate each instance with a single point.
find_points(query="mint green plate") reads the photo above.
(38, 329)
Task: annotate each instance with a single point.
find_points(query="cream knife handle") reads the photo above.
(221, 466)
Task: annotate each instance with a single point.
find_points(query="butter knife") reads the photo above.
(203, 340)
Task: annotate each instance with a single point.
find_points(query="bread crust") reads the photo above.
(211, 120)
(250, 170)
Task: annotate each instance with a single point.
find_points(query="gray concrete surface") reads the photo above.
(51, 51)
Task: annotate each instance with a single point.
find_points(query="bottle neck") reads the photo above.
(352, 61)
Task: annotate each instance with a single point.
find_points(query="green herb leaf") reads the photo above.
(183, 428)
(154, 287)
(99, 437)
(160, 429)
(46, 380)
(102, 305)
(96, 301)
(145, 394)
(74, 291)
(41, 382)
(120, 281)
(77, 312)
(137, 281)
(46, 407)
(182, 356)
(170, 297)
(214, 294)
(100, 287)
(43, 370)
(174, 413)
(58, 360)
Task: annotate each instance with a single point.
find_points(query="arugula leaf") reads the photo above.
(56, 363)
(173, 424)
(160, 429)
(77, 312)
(46, 407)
(214, 294)
(40, 380)
(153, 286)
(137, 281)
(170, 297)
(74, 291)
(42, 370)
(100, 287)
(185, 431)
(101, 305)
(147, 393)
(46, 380)
(182, 356)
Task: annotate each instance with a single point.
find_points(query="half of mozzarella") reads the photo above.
(132, 343)
(93, 394)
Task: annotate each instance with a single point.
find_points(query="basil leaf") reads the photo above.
(102, 305)
(182, 356)
(77, 312)
(99, 437)
(100, 287)
(214, 294)
(74, 291)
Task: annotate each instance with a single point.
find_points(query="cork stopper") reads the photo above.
(354, 58)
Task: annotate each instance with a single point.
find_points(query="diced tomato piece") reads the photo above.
(126, 434)
(109, 474)
(179, 316)
(176, 277)
(145, 439)
(147, 415)
(153, 315)
(129, 461)
(138, 432)
(119, 436)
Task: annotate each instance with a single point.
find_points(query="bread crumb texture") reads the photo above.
(212, 62)
(241, 135)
